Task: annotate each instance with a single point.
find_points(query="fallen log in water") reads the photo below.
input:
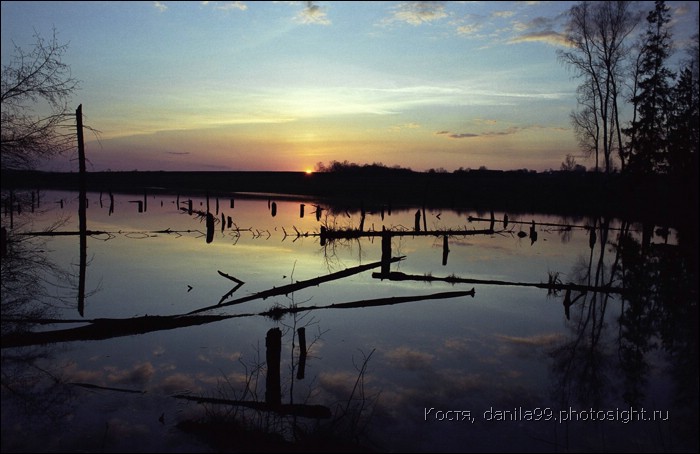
(278, 312)
(306, 411)
(347, 234)
(107, 328)
(102, 328)
(287, 289)
(399, 276)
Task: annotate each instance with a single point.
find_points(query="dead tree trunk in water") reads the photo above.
(386, 252)
(301, 332)
(445, 250)
(273, 344)
(82, 214)
(210, 227)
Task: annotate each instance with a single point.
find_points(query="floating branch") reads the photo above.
(332, 234)
(306, 411)
(287, 289)
(100, 329)
(552, 285)
(108, 328)
(108, 388)
(506, 221)
(277, 312)
(238, 282)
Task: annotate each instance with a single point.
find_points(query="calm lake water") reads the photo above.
(580, 333)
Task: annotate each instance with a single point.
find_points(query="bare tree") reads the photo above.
(586, 124)
(36, 87)
(597, 33)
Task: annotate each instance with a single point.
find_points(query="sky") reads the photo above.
(286, 85)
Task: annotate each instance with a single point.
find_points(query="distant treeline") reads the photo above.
(659, 198)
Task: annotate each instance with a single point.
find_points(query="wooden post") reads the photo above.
(417, 225)
(301, 333)
(301, 211)
(210, 227)
(273, 209)
(273, 390)
(445, 250)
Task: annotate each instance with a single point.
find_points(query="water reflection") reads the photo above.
(561, 314)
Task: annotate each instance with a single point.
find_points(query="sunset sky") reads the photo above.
(285, 85)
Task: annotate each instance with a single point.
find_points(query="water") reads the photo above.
(517, 365)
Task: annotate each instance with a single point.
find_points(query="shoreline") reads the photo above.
(659, 199)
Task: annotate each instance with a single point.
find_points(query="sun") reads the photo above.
(309, 171)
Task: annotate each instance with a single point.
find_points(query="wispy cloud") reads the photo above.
(140, 374)
(469, 135)
(463, 135)
(539, 29)
(405, 126)
(227, 6)
(538, 340)
(409, 358)
(504, 13)
(416, 13)
(469, 29)
(548, 37)
(313, 14)
(160, 6)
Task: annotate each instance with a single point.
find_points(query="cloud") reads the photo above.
(503, 14)
(469, 29)
(160, 6)
(469, 135)
(539, 340)
(539, 29)
(227, 6)
(313, 14)
(409, 358)
(416, 13)
(140, 374)
(507, 132)
(177, 382)
(405, 126)
(548, 37)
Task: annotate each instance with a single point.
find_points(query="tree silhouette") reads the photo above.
(648, 133)
(35, 90)
(597, 35)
